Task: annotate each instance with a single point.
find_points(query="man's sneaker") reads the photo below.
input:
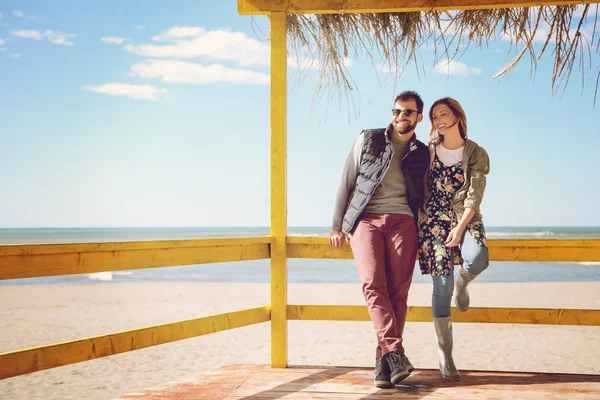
(382, 374)
(398, 370)
(406, 362)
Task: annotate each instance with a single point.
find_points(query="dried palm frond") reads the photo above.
(396, 40)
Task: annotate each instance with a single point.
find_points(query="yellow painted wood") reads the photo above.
(541, 316)
(27, 249)
(28, 261)
(265, 7)
(55, 355)
(544, 316)
(500, 250)
(316, 247)
(278, 190)
(323, 312)
(574, 250)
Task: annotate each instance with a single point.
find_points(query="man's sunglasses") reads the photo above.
(406, 112)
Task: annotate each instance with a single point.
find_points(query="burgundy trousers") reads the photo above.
(385, 250)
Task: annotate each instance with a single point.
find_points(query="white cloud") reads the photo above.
(18, 13)
(185, 42)
(57, 37)
(36, 35)
(15, 55)
(112, 40)
(186, 72)
(2, 48)
(140, 92)
(60, 38)
(2, 42)
(180, 32)
(452, 67)
(1, 15)
(190, 42)
(541, 34)
(140, 27)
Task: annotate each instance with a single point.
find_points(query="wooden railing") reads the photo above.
(26, 261)
(29, 261)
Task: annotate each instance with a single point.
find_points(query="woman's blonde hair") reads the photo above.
(458, 112)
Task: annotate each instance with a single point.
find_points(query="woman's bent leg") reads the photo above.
(476, 260)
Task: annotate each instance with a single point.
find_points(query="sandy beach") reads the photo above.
(33, 315)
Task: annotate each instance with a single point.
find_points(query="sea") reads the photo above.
(299, 270)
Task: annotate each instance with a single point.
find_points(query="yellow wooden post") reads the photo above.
(278, 190)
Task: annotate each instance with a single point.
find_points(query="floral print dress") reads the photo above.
(434, 257)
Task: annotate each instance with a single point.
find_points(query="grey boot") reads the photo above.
(443, 332)
(461, 299)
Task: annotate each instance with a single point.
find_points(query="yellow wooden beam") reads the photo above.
(475, 315)
(28, 261)
(28, 249)
(278, 190)
(573, 250)
(322, 312)
(55, 355)
(316, 247)
(500, 250)
(265, 7)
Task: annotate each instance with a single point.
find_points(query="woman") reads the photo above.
(451, 228)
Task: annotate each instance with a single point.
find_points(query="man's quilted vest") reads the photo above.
(376, 157)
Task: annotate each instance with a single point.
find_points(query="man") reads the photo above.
(377, 206)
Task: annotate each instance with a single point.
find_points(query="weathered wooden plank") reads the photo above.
(264, 7)
(28, 261)
(574, 250)
(475, 315)
(55, 355)
(242, 382)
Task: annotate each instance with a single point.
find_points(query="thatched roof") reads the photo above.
(565, 33)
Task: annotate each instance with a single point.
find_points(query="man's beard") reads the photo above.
(407, 129)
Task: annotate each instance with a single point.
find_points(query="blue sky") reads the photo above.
(151, 113)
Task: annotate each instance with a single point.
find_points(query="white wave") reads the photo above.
(589, 263)
(520, 234)
(122, 273)
(101, 276)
